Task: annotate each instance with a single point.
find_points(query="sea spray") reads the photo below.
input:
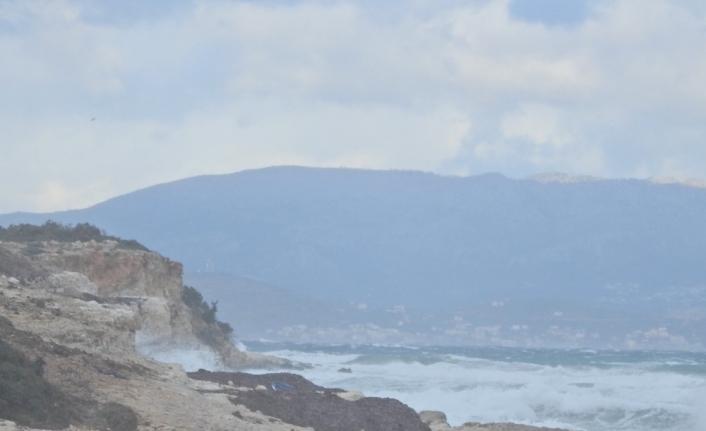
(189, 356)
(192, 359)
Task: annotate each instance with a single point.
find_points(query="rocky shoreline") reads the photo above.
(293, 399)
(70, 313)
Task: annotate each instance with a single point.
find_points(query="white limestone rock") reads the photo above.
(435, 419)
(68, 282)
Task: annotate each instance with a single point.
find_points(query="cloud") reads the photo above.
(540, 124)
(326, 134)
(610, 88)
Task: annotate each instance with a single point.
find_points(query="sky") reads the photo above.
(101, 98)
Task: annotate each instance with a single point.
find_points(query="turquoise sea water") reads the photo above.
(575, 389)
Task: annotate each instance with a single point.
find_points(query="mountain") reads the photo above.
(414, 239)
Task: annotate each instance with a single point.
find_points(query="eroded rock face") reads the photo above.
(70, 283)
(76, 322)
(131, 295)
(133, 273)
(151, 280)
(119, 272)
(13, 264)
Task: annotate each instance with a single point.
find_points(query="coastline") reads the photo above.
(72, 314)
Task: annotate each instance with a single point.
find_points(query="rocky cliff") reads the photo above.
(136, 294)
(74, 320)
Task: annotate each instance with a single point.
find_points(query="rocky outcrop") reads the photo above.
(70, 283)
(153, 280)
(144, 290)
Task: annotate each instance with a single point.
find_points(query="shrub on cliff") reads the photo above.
(194, 300)
(25, 397)
(225, 327)
(215, 330)
(53, 231)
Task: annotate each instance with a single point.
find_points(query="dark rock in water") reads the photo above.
(345, 370)
(309, 405)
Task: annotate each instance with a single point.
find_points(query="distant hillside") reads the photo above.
(259, 311)
(253, 308)
(416, 239)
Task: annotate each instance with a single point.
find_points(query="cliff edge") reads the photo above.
(136, 295)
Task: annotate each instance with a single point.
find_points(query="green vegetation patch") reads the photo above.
(25, 396)
(215, 330)
(34, 235)
(194, 300)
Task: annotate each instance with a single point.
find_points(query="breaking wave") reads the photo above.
(575, 389)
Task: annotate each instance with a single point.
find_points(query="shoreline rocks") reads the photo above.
(305, 404)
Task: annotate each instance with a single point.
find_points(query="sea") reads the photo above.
(587, 390)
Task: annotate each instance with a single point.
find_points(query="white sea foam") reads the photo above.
(579, 397)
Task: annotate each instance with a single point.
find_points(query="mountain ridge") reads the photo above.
(397, 237)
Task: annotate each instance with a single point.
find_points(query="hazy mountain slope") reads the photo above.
(391, 237)
(253, 308)
(260, 311)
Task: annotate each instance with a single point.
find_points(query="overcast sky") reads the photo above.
(179, 88)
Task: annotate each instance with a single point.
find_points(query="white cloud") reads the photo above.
(541, 124)
(53, 195)
(71, 159)
(225, 85)
(326, 134)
